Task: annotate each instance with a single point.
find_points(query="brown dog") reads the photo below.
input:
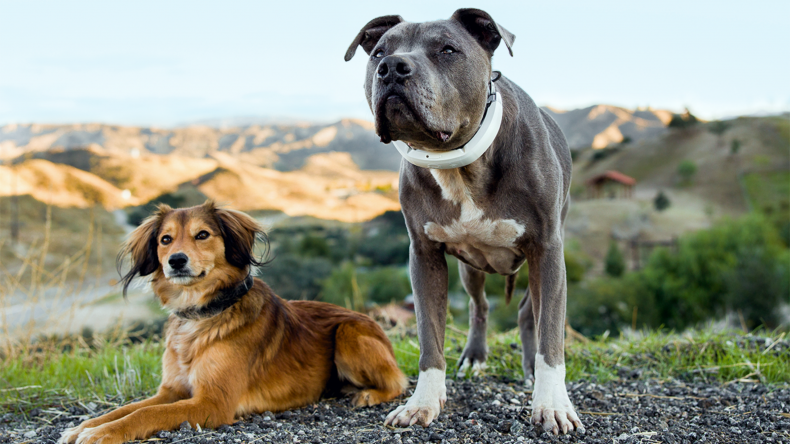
(233, 346)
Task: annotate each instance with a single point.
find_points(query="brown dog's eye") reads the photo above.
(166, 240)
(202, 235)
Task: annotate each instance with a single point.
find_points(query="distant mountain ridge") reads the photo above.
(599, 126)
(286, 147)
(282, 147)
(335, 171)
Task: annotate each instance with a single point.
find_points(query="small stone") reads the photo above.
(496, 402)
(185, 426)
(30, 434)
(515, 401)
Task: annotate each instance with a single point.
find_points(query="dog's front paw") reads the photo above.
(104, 434)
(425, 404)
(551, 406)
(478, 368)
(69, 436)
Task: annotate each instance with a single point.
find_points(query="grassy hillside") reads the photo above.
(727, 182)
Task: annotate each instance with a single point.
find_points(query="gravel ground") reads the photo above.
(491, 410)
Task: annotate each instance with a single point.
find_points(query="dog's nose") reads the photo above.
(395, 68)
(178, 260)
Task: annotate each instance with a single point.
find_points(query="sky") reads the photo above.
(174, 62)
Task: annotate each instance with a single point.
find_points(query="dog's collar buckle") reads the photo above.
(227, 298)
(466, 154)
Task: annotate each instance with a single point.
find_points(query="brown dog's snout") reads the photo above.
(178, 261)
(395, 68)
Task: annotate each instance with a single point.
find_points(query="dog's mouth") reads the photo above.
(395, 113)
(185, 277)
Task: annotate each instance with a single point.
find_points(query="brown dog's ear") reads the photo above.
(484, 29)
(141, 245)
(371, 34)
(240, 231)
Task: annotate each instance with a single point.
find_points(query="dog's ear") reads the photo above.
(141, 246)
(484, 29)
(371, 33)
(240, 231)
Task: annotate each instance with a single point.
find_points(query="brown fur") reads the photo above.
(263, 353)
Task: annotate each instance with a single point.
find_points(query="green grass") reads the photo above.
(109, 374)
(767, 189)
(703, 355)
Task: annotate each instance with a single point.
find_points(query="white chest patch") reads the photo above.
(472, 227)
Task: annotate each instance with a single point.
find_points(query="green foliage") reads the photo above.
(314, 246)
(693, 285)
(295, 277)
(735, 146)
(683, 121)
(614, 263)
(355, 288)
(735, 266)
(718, 127)
(661, 202)
(603, 153)
(576, 265)
(687, 169)
(608, 304)
(136, 215)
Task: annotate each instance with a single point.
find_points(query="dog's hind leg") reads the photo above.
(526, 329)
(364, 358)
(476, 351)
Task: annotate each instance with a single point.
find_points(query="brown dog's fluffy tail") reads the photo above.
(510, 286)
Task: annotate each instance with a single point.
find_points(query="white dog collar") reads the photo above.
(466, 154)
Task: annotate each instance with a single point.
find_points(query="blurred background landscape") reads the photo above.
(678, 219)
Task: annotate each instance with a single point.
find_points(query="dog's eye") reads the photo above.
(448, 50)
(166, 240)
(202, 235)
(379, 54)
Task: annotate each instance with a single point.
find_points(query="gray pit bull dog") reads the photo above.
(429, 85)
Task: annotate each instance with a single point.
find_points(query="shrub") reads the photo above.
(718, 127)
(713, 270)
(661, 202)
(609, 304)
(735, 266)
(356, 288)
(735, 146)
(687, 169)
(294, 277)
(614, 263)
(683, 121)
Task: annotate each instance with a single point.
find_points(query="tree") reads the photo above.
(735, 146)
(615, 262)
(661, 202)
(682, 121)
(687, 169)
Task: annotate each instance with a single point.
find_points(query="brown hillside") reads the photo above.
(60, 185)
(330, 187)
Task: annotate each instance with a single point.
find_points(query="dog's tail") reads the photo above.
(510, 286)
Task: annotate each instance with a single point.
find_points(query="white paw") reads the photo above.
(551, 405)
(478, 368)
(425, 404)
(87, 436)
(69, 435)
